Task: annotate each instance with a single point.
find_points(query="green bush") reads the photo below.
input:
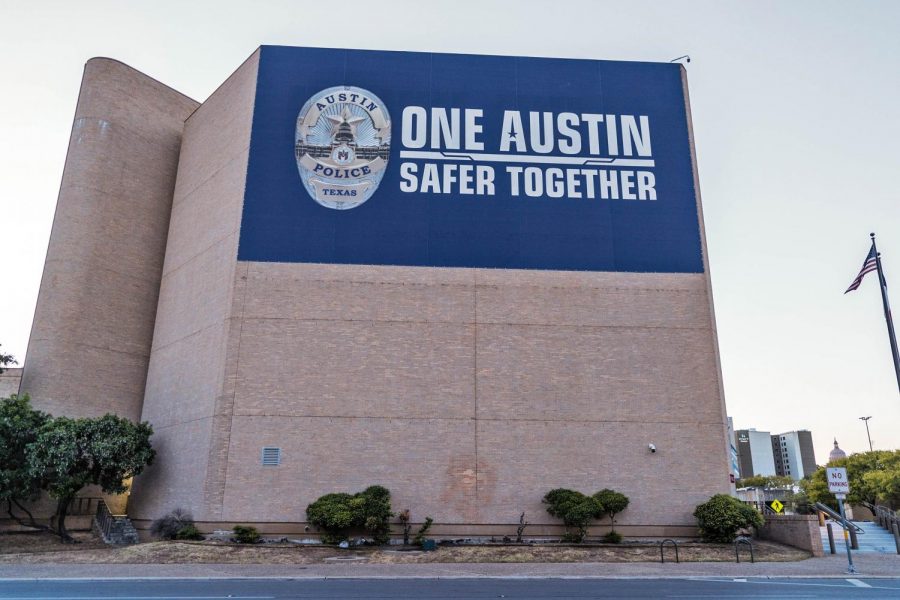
(337, 514)
(419, 540)
(189, 532)
(575, 509)
(720, 518)
(612, 538)
(612, 503)
(245, 535)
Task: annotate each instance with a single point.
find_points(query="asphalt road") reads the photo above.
(518, 589)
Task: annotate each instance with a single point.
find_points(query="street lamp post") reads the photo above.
(866, 421)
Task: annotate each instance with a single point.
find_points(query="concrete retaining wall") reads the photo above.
(799, 531)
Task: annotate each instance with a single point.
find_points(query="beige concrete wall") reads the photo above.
(188, 396)
(93, 324)
(9, 381)
(470, 393)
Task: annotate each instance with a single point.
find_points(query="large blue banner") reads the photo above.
(449, 160)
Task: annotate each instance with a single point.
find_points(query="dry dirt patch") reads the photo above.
(44, 548)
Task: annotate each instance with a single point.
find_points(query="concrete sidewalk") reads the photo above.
(868, 565)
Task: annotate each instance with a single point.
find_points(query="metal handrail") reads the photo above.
(662, 556)
(737, 543)
(837, 517)
(104, 519)
(83, 505)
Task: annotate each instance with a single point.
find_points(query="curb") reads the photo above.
(451, 577)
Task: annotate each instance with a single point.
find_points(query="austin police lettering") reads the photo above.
(574, 155)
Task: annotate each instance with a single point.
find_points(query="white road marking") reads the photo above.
(859, 583)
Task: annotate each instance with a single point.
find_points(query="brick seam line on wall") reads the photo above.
(190, 191)
(273, 282)
(237, 369)
(475, 369)
(427, 322)
(498, 419)
(363, 282)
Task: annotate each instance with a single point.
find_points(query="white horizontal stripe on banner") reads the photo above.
(530, 158)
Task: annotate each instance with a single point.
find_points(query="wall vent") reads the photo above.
(271, 457)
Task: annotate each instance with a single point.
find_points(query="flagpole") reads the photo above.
(882, 282)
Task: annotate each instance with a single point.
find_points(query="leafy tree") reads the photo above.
(19, 425)
(612, 503)
(69, 454)
(575, 509)
(874, 477)
(722, 516)
(885, 483)
(765, 481)
(815, 488)
(800, 502)
(6, 360)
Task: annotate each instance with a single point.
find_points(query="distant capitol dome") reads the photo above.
(836, 453)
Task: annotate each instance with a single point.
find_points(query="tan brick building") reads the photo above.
(468, 392)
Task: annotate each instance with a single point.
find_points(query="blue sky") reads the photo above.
(795, 121)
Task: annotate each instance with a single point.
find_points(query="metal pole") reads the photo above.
(882, 282)
(831, 539)
(851, 568)
(866, 421)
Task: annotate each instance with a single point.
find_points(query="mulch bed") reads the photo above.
(32, 548)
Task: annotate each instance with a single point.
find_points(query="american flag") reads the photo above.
(870, 265)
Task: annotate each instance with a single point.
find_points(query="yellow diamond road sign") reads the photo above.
(776, 506)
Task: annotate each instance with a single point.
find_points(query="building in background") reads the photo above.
(836, 453)
(754, 449)
(794, 455)
(733, 452)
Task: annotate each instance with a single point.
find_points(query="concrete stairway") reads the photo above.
(114, 529)
(119, 532)
(875, 538)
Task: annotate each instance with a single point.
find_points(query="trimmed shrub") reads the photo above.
(612, 503)
(419, 540)
(612, 538)
(722, 516)
(337, 514)
(575, 509)
(168, 526)
(189, 532)
(245, 535)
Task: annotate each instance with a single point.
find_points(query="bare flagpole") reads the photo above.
(887, 312)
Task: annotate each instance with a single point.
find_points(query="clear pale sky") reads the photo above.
(795, 108)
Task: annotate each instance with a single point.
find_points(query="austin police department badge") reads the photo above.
(342, 145)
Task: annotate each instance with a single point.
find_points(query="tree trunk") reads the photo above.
(31, 522)
(62, 506)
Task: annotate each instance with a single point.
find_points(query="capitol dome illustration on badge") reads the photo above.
(342, 145)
